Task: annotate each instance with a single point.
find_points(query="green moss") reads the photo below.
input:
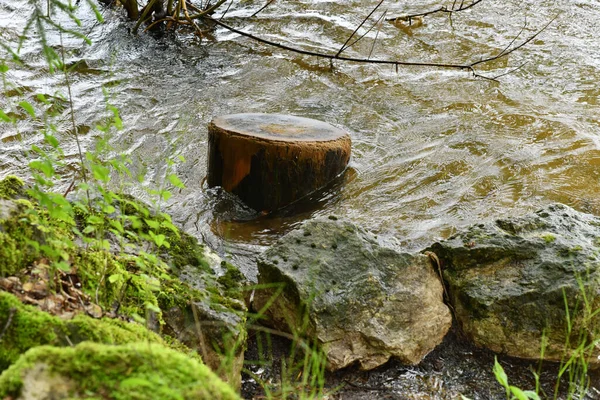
(232, 281)
(133, 371)
(30, 327)
(548, 237)
(11, 187)
(18, 230)
(185, 250)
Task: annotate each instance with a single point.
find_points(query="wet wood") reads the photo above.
(272, 160)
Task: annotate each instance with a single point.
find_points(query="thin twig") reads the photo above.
(262, 8)
(442, 9)
(11, 313)
(510, 71)
(208, 10)
(515, 38)
(368, 30)
(72, 118)
(377, 33)
(226, 10)
(357, 28)
(505, 53)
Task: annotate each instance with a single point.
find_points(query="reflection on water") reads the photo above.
(433, 150)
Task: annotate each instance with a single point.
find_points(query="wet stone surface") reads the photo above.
(454, 368)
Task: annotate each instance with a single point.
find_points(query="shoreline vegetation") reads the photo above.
(103, 296)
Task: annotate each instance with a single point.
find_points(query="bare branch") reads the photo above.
(467, 66)
(377, 33)
(442, 9)
(504, 53)
(510, 71)
(357, 28)
(262, 8)
(514, 39)
(377, 23)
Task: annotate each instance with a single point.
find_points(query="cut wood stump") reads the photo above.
(272, 160)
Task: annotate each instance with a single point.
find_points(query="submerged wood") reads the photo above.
(272, 160)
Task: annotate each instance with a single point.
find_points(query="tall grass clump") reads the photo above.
(582, 341)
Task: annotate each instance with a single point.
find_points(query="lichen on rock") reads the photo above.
(512, 280)
(361, 302)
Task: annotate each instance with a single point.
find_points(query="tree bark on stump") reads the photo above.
(272, 160)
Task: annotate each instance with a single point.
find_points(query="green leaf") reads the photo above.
(152, 223)
(3, 68)
(89, 229)
(94, 7)
(117, 225)
(52, 141)
(500, 374)
(95, 220)
(115, 277)
(43, 166)
(108, 209)
(63, 266)
(100, 172)
(181, 158)
(27, 107)
(532, 395)
(159, 240)
(42, 98)
(5, 117)
(136, 223)
(518, 393)
(138, 319)
(175, 181)
(116, 118)
(169, 225)
(152, 307)
(165, 195)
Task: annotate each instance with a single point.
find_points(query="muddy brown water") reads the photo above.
(433, 150)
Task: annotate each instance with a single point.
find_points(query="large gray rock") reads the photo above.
(509, 281)
(364, 303)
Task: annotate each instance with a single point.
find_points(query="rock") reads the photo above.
(213, 325)
(216, 332)
(92, 370)
(365, 303)
(25, 327)
(509, 279)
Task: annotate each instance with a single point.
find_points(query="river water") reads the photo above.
(434, 150)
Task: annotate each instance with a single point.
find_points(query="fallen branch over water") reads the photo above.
(467, 66)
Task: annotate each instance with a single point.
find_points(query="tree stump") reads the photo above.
(272, 160)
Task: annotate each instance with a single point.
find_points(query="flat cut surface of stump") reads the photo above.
(272, 160)
(279, 127)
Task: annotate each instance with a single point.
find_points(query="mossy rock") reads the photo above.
(94, 371)
(28, 327)
(11, 187)
(511, 280)
(113, 270)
